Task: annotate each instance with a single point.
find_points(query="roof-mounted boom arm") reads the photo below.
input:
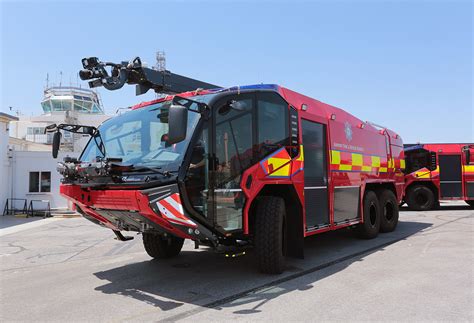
(134, 73)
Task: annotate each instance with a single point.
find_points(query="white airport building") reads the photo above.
(27, 166)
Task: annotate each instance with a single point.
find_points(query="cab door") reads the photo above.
(315, 174)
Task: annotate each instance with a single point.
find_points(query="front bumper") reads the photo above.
(156, 209)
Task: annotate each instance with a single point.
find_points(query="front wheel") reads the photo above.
(369, 229)
(269, 234)
(160, 247)
(420, 198)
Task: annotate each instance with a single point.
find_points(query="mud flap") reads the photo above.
(294, 236)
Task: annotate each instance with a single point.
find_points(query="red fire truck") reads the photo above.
(255, 166)
(437, 172)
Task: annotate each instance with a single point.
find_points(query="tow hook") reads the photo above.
(121, 237)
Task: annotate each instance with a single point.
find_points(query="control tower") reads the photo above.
(61, 104)
(61, 99)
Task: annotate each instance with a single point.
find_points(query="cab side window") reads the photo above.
(233, 142)
(272, 123)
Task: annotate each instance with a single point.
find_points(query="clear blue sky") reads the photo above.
(406, 64)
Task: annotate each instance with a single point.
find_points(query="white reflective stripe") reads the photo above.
(220, 190)
(348, 186)
(178, 207)
(314, 187)
(163, 210)
(170, 216)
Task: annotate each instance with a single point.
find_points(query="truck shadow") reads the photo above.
(442, 208)
(209, 280)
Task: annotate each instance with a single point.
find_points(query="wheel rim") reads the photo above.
(421, 199)
(373, 214)
(389, 211)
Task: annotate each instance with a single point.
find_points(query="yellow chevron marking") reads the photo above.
(283, 171)
(425, 174)
(301, 156)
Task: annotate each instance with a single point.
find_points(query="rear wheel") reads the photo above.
(371, 208)
(471, 203)
(388, 211)
(160, 247)
(420, 198)
(269, 234)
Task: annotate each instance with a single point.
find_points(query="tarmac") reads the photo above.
(68, 269)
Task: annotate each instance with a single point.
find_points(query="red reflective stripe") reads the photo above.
(176, 198)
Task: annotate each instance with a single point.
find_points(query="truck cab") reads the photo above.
(436, 172)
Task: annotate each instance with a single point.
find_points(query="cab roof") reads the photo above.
(237, 88)
(296, 99)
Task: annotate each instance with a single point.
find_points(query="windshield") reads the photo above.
(139, 137)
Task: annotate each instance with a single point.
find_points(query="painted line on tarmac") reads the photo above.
(299, 274)
(26, 226)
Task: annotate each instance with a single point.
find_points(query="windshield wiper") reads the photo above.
(158, 170)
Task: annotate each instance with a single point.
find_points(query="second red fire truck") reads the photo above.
(258, 165)
(437, 172)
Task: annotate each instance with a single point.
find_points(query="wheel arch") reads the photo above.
(379, 187)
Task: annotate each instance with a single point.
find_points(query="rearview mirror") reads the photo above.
(178, 123)
(56, 142)
(232, 105)
(88, 130)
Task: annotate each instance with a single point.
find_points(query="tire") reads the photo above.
(371, 208)
(160, 247)
(471, 203)
(269, 235)
(420, 198)
(388, 211)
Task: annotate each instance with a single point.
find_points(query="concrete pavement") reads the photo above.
(72, 270)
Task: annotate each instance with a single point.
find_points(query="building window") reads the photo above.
(40, 182)
(35, 130)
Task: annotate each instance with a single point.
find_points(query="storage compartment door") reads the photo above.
(450, 175)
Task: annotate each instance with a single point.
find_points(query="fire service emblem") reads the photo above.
(348, 131)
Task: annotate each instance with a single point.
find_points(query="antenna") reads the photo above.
(47, 80)
(160, 61)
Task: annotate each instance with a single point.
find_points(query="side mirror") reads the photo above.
(51, 127)
(56, 142)
(433, 165)
(178, 123)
